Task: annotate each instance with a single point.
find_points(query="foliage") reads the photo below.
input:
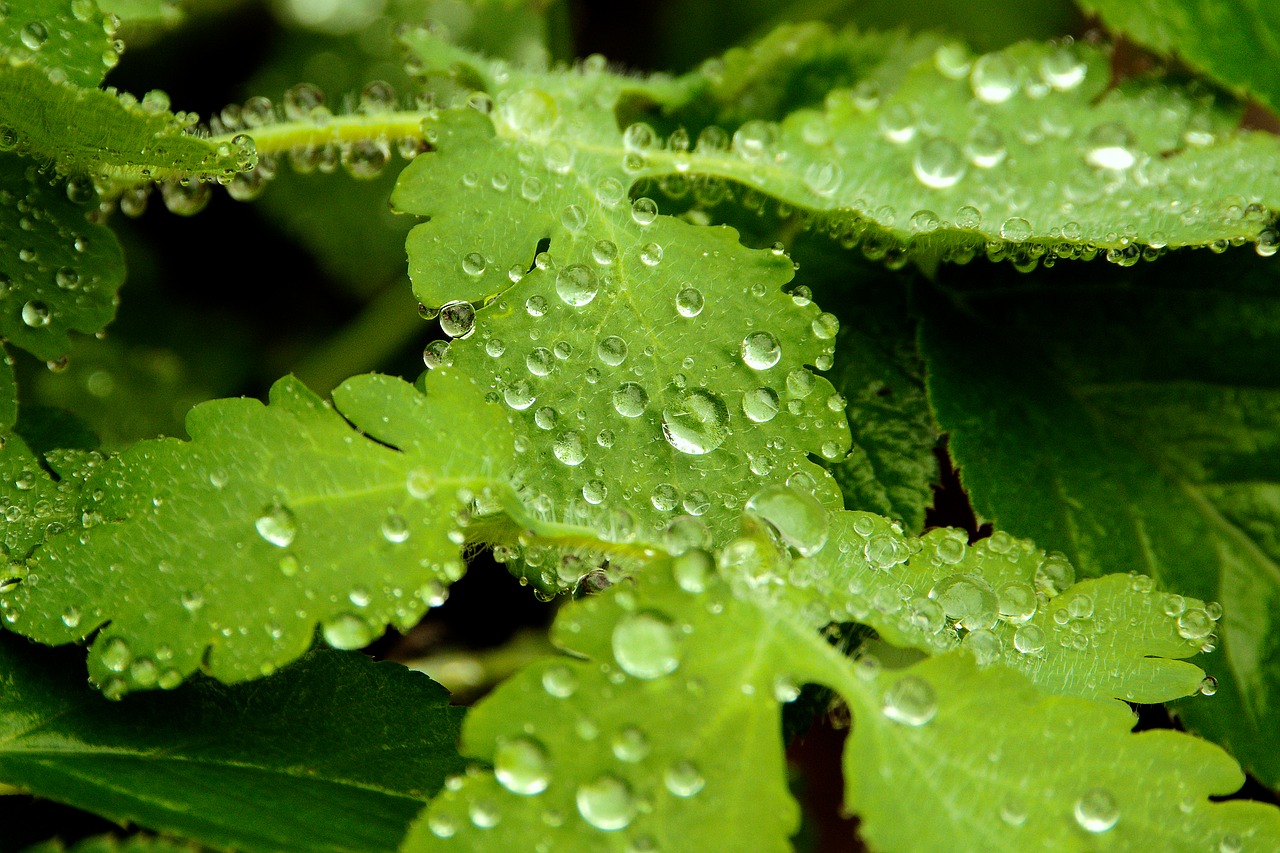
(711, 344)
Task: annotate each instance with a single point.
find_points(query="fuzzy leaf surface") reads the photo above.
(1235, 43)
(607, 749)
(59, 35)
(1051, 766)
(1132, 426)
(1006, 602)
(63, 270)
(224, 553)
(333, 753)
(642, 394)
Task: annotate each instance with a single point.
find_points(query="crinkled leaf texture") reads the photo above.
(614, 747)
(1132, 425)
(225, 552)
(654, 367)
(334, 753)
(62, 270)
(1235, 43)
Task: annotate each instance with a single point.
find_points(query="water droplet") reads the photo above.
(938, 164)
(437, 354)
(539, 361)
(473, 264)
(395, 529)
(756, 140)
(630, 745)
(71, 617)
(644, 211)
(1029, 639)
(630, 400)
(594, 492)
(824, 177)
(457, 319)
(1054, 574)
(536, 306)
(1194, 624)
(985, 147)
(34, 35)
(825, 326)
(1208, 686)
(612, 351)
(689, 302)
(1096, 810)
(683, 779)
(348, 631)
(1109, 147)
(693, 570)
(968, 600)
(568, 448)
(116, 654)
(697, 423)
(36, 314)
(559, 682)
(546, 417)
(644, 644)
(1017, 602)
(277, 525)
(577, 285)
(1062, 69)
(994, 78)
(519, 395)
(605, 252)
(1015, 229)
(192, 600)
(531, 112)
(651, 254)
(897, 124)
(910, 701)
(760, 405)
(607, 803)
(801, 522)
(521, 766)
(761, 350)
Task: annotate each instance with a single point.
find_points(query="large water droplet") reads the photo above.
(1062, 69)
(644, 644)
(520, 765)
(531, 111)
(761, 350)
(577, 284)
(683, 779)
(457, 319)
(697, 423)
(968, 600)
(348, 631)
(693, 570)
(1029, 639)
(910, 701)
(1110, 147)
(1096, 810)
(277, 525)
(938, 164)
(36, 314)
(559, 681)
(630, 400)
(1017, 602)
(760, 405)
(568, 448)
(801, 522)
(689, 302)
(612, 350)
(994, 78)
(607, 803)
(630, 745)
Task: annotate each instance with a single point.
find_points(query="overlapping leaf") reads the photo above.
(1132, 426)
(652, 364)
(1235, 43)
(334, 753)
(60, 270)
(224, 553)
(611, 749)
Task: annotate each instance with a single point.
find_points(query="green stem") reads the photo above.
(335, 130)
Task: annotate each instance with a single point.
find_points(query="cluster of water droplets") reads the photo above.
(56, 33)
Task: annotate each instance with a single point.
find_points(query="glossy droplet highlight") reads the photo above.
(800, 521)
(607, 803)
(457, 319)
(1096, 810)
(761, 350)
(1110, 147)
(938, 164)
(348, 631)
(521, 766)
(630, 400)
(689, 302)
(644, 645)
(697, 423)
(577, 285)
(277, 525)
(683, 779)
(760, 405)
(910, 701)
(36, 314)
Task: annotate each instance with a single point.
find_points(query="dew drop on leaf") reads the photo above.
(800, 521)
(985, 147)
(577, 285)
(116, 654)
(644, 645)
(993, 78)
(607, 803)
(1062, 69)
(457, 319)
(697, 423)
(630, 745)
(568, 448)
(34, 35)
(277, 525)
(938, 164)
(612, 350)
(761, 350)
(968, 600)
(35, 314)
(1029, 639)
(683, 779)
(693, 570)
(760, 405)
(1096, 810)
(395, 529)
(1110, 147)
(1017, 601)
(644, 211)
(689, 302)
(348, 631)
(521, 766)
(1194, 624)
(910, 701)
(559, 682)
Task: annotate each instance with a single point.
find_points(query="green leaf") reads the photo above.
(63, 270)
(1001, 766)
(8, 394)
(630, 329)
(334, 753)
(1005, 601)
(1237, 44)
(611, 748)
(892, 469)
(36, 505)
(104, 133)
(111, 844)
(67, 36)
(1131, 424)
(224, 553)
